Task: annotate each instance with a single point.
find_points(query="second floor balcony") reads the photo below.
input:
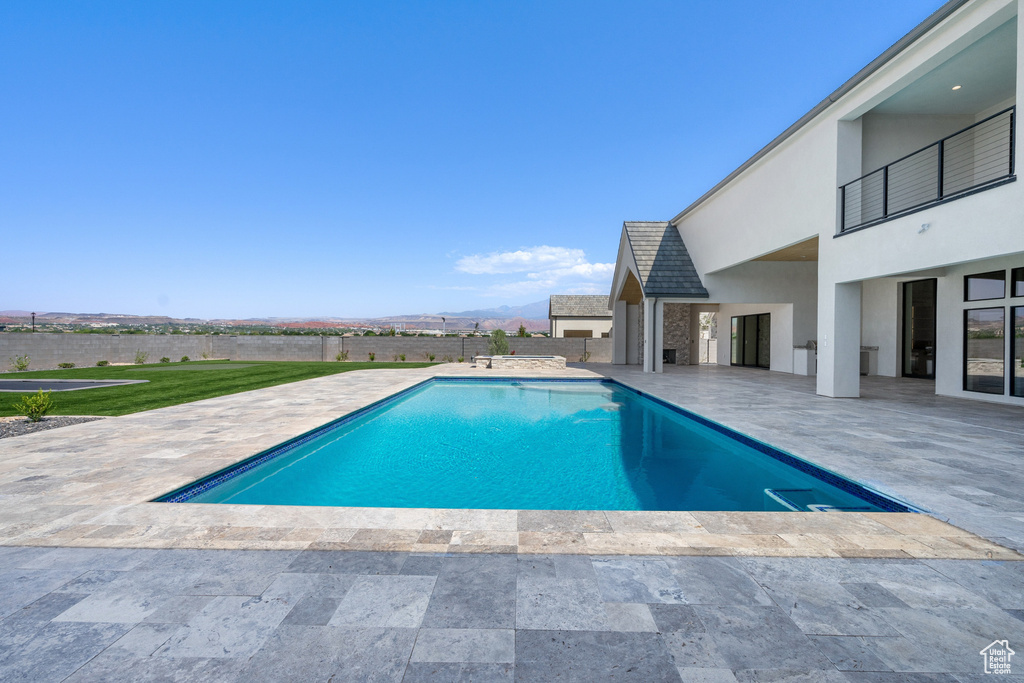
(976, 158)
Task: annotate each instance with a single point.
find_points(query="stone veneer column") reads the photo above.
(677, 331)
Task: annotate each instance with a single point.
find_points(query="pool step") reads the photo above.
(800, 500)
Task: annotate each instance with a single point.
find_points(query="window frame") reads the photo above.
(1012, 370)
(967, 312)
(967, 279)
(1016, 275)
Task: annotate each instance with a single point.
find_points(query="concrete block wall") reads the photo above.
(47, 350)
(84, 350)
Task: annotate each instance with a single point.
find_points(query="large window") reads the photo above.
(919, 299)
(1017, 350)
(751, 340)
(984, 349)
(985, 286)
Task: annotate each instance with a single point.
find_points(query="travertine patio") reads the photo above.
(98, 585)
(88, 485)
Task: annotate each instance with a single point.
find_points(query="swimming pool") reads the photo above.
(530, 444)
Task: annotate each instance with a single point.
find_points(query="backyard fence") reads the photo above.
(47, 350)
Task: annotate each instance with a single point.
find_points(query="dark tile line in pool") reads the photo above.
(190, 491)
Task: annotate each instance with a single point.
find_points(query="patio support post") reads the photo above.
(649, 334)
(659, 335)
(839, 340)
(620, 330)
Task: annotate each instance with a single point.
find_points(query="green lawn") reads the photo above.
(174, 383)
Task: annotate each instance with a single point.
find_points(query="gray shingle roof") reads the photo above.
(579, 306)
(664, 264)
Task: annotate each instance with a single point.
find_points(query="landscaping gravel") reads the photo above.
(17, 426)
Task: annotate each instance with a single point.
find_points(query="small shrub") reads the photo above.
(372, 356)
(102, 363)
(498, 344)
(35, 406)
(140, 357)
(394, 357)
(585, 357)
(447, 359)
(430, 357)
(401, 357)
(460, 359)
(341, 356)
(185, 359)
(165, 359)
(66, 366)
(205, 356)
(20, 363)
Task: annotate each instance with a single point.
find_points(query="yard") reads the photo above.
(170, 384)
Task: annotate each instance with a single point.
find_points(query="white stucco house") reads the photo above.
(887, 223)
(579, 315)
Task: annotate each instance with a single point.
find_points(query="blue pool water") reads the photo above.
(563, 445)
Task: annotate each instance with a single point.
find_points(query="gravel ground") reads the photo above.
(17, 426)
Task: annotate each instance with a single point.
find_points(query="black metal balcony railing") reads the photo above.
(962, 163)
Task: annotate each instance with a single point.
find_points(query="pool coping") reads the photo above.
(101, 499)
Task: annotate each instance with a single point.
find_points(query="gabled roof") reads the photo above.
(664, 264)
(579, 306)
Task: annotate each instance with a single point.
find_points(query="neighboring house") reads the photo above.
(579, 315)
(887, 222)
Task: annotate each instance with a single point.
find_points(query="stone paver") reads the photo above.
(96, 584)
(502, 617)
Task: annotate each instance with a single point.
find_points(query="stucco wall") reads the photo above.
(779, 201)
(881, 325)
(781, 332)
(772, 282)
(888, 137)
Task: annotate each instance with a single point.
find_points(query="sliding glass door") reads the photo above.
(751, 340)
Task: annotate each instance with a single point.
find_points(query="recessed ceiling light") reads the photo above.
(957, 87)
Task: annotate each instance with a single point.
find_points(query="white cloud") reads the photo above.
(521, 261)
(540, 270)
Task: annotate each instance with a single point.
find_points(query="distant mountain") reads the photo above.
(534, 317)
(535, 311)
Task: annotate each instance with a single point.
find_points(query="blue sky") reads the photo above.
(217, 159)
